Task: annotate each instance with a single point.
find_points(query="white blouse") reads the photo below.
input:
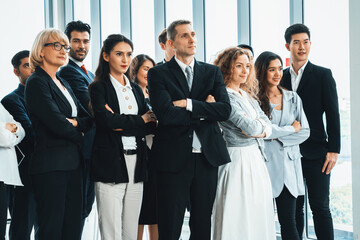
(9, 172)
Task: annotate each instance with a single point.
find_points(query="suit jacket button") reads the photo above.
(190, 136)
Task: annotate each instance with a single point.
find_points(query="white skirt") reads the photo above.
(243, 207)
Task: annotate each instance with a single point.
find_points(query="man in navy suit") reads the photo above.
(79, 78)
(317, 89)
(164, 44)
(22, 202)
(188, 98)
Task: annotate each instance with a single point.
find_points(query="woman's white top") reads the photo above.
(9, 171)
(71, 102)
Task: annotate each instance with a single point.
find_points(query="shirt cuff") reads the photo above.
(189, 104)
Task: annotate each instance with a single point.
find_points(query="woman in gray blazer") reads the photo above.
(289, 129)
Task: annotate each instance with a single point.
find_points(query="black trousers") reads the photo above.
(58, 198)
(22, 209)
(88, 194)
(286, 208)
(3, 210)
(197, 182)
(318, 185)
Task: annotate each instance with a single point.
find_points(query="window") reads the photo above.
(221, 27)
(110, 18)
(143, 27)
(178, 10)
(324, 53)
(82, 12)
(269, 19)
(18, 35)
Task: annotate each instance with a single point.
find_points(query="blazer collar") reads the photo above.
(20, 90)
(179, 75)
(79, 69)
(55, 88)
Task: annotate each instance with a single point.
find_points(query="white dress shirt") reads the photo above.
(71, 102)
(295, 78)
(76, 61)
(9, 172)
(127, 105)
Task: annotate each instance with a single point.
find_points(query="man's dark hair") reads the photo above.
(171, 31)
(76, 26)
(295, 29)
(16, 60)
(246, 47)
(163, 37)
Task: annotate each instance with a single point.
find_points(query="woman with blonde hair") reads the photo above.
(243, 206)
(59, 122)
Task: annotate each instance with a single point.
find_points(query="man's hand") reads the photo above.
(11, 127)
(180, 103)
(210, 99)
(330, 162)
(72, 121)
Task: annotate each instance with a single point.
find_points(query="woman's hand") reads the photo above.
(180, 103)
(210, 99)
(72, 121)
(11, 127)
(297, 126)
(149, 116)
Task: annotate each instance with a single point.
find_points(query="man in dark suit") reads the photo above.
(169, 52)
(22, 202)
(317, 89)
(79, 79)
(188, 98)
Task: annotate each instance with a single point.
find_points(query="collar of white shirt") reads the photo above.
(183, 65)
(76, 61)
(119, 85)
(301, 70)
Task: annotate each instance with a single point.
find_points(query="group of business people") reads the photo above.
(224, 138)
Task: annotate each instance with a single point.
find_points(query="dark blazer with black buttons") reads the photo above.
(317, 90)
(107, 159)
(172, 146)
(57, 142)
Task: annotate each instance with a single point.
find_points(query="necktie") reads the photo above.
(189, 78)
(83, 68)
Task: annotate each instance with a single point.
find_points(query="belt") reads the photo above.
(129, 151)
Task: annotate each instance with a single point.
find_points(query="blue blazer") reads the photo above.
(78, 81)
(282, 148)
(14, 103)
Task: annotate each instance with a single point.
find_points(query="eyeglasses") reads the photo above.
(57, 46)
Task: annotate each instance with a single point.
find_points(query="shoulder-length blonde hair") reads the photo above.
(226, 62)
(35, 54)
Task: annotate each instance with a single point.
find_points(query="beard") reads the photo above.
(74, 55)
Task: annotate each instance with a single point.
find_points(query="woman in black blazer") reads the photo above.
(59, 122)
(118, 162)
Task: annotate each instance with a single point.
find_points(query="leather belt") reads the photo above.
(129, 151)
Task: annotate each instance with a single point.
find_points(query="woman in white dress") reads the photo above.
(243, 207)
(11, 134)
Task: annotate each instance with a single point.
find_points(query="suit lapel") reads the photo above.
(113, 101)
(79, 69)
(179, 75)
(197, 80)
(305, 77)
(286, 80)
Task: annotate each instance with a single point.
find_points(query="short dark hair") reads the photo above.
(135, 65)
(76, 26)
(163, 37)
(294, 29)
(171, 31)
(16, 60)
(246, 47)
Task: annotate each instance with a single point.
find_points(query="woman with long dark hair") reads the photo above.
(243, 206)
(138, 70)
(119, 157)
(289, 129)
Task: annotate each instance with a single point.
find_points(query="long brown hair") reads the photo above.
(261, 66)
(226, 61)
